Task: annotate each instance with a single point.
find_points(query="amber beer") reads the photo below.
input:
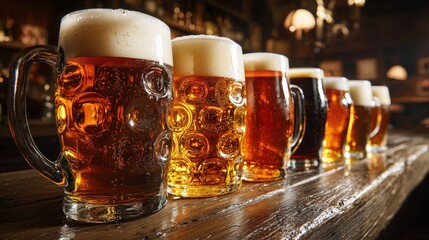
(111, 100)
(207, 117)
(309, 153)
(338, 118)
(269, 118)
(111, 129)
(377, 142)
(360, 125)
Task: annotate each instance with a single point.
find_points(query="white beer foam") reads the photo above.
(338, 83)
(115, 33)
(381, 92)
(265, 61)
(205, 55)
(361, 93)
(305, 73)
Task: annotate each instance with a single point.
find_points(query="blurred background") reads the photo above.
(386, 42)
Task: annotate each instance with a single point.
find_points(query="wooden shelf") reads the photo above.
(13, 45)
(413, 99)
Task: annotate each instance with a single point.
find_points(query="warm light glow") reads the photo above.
(358, 3)
(301, 19)
(397, 72)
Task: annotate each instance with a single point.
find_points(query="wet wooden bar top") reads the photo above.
(347, 201)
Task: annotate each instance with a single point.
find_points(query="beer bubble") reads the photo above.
(142, 115)
(194, 145)
(221, 93)
(114, 81)
(228, 145)
(79, 149)
(212, 171)
(162, 147)
(236, 94)
(179, 118)
(240, 119)
(92, 113)
(156, 82)
(180, 171)
(72, 81)
(211, 119)
(193, 90)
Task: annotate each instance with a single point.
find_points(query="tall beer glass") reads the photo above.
(113, 88)
(309, 153)
(381, 114)
(207, 117)
(338, 119)
(270, 117)
(360, 126)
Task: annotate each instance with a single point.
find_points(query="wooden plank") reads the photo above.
(345, 202)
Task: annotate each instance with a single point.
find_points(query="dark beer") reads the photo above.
(110, 113)
(338, 118)
(207, 117)
(309, 153)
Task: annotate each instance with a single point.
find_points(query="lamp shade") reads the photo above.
(397, 72)
(299, 19)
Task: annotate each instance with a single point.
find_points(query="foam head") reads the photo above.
(305, 73)
(381, 92)
(360, 91)
(205, 55)
(115, 33)
(265, 61)
(338, 83)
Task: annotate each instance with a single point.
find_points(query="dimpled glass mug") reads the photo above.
(207, 117)
(114, 84)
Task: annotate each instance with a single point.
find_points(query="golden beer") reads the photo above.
(270, 117)
(207, 117)
(360, 120)
(377, 143)
(308, 155)
(338, 119)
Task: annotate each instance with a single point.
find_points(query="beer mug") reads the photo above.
(338, 118)
(114, 73)
(308, 155)
(380, 114)
(207, 117)
(360, 120)
(273, 108)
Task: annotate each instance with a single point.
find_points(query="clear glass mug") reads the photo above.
(360, 128)
(338, 119)
(380, 115)
(114, 85)
(308, 155)
(275, 117)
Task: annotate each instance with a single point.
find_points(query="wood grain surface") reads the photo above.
(353, 201)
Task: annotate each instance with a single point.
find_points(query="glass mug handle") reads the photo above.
(299, 115)
(18, 122)
(377, 104)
